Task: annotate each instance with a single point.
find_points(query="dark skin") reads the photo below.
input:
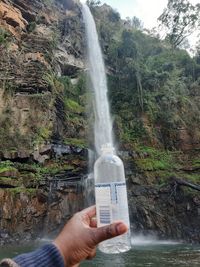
(80, 236)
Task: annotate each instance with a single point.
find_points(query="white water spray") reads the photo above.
(103, 125)
(151, 240)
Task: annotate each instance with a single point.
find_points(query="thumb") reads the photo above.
(109, 231)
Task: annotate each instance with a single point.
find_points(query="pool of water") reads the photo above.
(154, 256)
(144, 253)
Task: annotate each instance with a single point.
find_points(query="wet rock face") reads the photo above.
(40, 191)
(168, 214)
(29, 215)
(166, 209)
(37, 36)
(42, 40)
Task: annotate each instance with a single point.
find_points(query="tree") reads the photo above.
(180, 20)
(198, 48)
(114, 16)
(136, 23)
(93, 3)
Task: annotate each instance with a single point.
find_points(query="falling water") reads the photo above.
(103, 124)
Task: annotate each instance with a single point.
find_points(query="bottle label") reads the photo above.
(111, 203)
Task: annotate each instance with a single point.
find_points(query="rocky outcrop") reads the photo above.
(188, 140)
(26, 215)
(41, 41)
(166, 212)
(12, 19)
(166, 208)
(40, 166)
(37, 40)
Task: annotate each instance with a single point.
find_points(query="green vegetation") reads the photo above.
(152, 89)
(9, 89)
(43, 134)
(40, 171)
(48, 2)
(53, 169)
(73, 106)
(196, 163)
(152, 164)
(76, 142)
(4, 37)
(180, 19)
(17, 190)
(193, 177)
(6, 179)
(93, 3)
(155, 159)
(68, 99)
(10, 181)
(55, 85)
(6, 166)
(55, 38)
(31, 26)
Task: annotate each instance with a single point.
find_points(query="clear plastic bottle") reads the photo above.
(111, 198)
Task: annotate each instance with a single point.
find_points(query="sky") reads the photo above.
(146, 10)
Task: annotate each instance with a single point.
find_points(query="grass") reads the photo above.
(76, 142)
(43, 134)
(31, 26)
(155, 159)
(73, 106)
(193, 177)
(9, 181)
(196, 163)
(158, 164)
(153, 164)
(7, 169)
(38, 171)
(6, 166)
(54, 169)
(4, 37)
(18, 190)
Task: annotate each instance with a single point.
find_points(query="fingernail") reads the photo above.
(121, 228)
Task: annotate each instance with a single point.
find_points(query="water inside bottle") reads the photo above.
(111, 199)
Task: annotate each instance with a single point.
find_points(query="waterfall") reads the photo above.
(103, 124)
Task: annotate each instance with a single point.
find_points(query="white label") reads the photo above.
(111, 203)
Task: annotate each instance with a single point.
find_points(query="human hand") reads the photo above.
(79, 237)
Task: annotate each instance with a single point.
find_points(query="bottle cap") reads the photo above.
(107, 148)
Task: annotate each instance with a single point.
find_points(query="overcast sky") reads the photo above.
(146, 10)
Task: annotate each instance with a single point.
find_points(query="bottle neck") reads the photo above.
(107, 149)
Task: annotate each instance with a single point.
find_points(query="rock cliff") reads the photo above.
(41, 51)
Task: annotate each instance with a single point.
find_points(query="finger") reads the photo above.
(109, 231)
(90, 212)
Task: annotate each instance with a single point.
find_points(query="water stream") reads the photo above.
(103, 124)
